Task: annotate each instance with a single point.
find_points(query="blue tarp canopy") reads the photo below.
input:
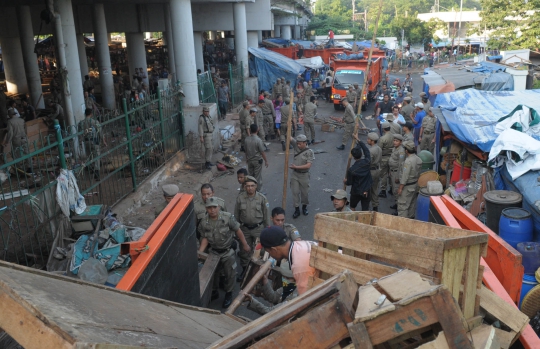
(278, 41)
(441, 43)
(268, 66)
(304, 44)
(365, 43)
(472, 114)
(488, 67)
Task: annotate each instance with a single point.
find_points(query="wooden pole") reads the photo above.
(364, 86)
(251, 284)
(287, 145)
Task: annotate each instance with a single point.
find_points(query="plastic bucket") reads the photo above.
(422, 205)
(530, 252)
(515, 226)
(529, 281)
(457, 171)
(496, 202)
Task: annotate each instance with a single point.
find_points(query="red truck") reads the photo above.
(349, 72)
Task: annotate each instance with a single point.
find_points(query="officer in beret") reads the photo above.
(206, 131)
(386, 142)
(340, 201)
(303, 159)
(169, 191)
(394, 164)
(408, 183)
(376, 155)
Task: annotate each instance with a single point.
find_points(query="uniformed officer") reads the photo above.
(241, 175)
(349, 119)
(376, 154)
(277, 89)
(259, 119)
(394, 127)
(57, 113)
(395, 164)
(310, 111)
(407, 109)
(351, 96)
(425, 100)
(340, 201)
(269, 115)
(16, 134)
(255, 155)
(244, 123)
(408, 132)
(408, 183)
(278, 219)
(308, 92)
(251, 210)
(427, 131)
(285, 110)
(217, 230)
(287, 90)
(303, 159)
(386, 142)
(358, 91)
(199, 205)
(206, 131)
(92, 136)
(169, 191)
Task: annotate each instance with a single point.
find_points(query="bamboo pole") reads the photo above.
(251, 284)
(287, 145)
(364, 86)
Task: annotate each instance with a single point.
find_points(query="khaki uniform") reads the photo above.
(220, 234)
(408, 137)
(406, 111)
(277, 89)
(206, 130)
(244, 123)
(16, 134)
(252, 213)
(376, 154)
(427, 105)
(345, 209)
(409, 178)
(349, 119)
(291, 231)
(200, 208)
(259, 120)
(58, 113)
(254, 148)
(309, 121)
(286, 91)
(300, 178)
(351, 97)
(428, 124)
(386, 143)
(395, 164)
(308, 92)
(269, 115)
(159, 208)
(91, 130)
(395, 128)
(285, 109)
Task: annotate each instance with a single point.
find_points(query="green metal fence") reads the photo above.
(236, 84)
(130, 147)
(207, 92)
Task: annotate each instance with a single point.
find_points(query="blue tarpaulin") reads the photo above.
(268, 66)
(346, 57)
(488, 67)
(365, 43)
(304, 44)
(278, 41)
(472, 114)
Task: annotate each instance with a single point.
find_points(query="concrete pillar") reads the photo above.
(252, 38)
(184, 50)
(199, 57)
(13, 65)
(211, 35)
(31, 68)
(297, 32)
(65, 10)
(101, 42)
(286, 32)
(259, 36)
(170, 42)
(83, 61)
(277, 31)
(240, 36)
(136, 54)
(109, 38)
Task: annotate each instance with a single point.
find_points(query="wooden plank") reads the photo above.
(334, 263)
(484, 337)
(506, 339)
(403, 284)
(439, 343)
(359, 336)
(453, 265)
(398, 246)
(502, 311)
(471, 281)
(314, 281)
(451, 320)
(206, 277)
(367, 309)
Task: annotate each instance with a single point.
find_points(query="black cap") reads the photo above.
(273, 236)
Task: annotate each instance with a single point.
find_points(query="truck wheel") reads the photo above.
(337, 107)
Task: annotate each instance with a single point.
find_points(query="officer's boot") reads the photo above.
(283, 145)
(304, 210)
(215, 295)
(228, 300)
(394, 207)
(296, 213)
(375, 209)
(382, 194)
(341, 147)
(240, 276)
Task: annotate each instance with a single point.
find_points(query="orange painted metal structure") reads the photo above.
(374, 79)
(325, 53)
(289, 52)
(503, 271)
(145, 249)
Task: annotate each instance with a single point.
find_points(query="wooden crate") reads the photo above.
(376, 245)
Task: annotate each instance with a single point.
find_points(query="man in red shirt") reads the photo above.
(331, 38)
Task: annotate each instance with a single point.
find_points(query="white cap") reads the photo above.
(419, 105)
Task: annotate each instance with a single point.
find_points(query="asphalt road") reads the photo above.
(327, 172)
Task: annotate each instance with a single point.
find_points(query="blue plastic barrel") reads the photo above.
(422, 205)
(530, 252)
(529, 281)
(515, 226)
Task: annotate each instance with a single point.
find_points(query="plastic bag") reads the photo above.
(93, 270)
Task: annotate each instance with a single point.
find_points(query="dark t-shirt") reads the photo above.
(386, 107)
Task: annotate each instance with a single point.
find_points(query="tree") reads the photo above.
(515, 24)
(416, 31)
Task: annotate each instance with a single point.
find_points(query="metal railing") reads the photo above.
(207, 92)
(236, 84)
(128, 148)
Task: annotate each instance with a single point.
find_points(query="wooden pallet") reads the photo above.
(376, 245)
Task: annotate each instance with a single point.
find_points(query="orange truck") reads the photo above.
(349, 72)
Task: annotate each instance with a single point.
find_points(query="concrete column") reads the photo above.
(170, 42)
(297, 32)
(199, 56)
(65, 10)
(211, 35)
(109, 38)
(286, 32)
(13, 65)
(136, 54)
(33, 78)
(184, 50)
(101, 42)
(240, 36)
(252, 38)
(277, 31)
(259, 36)
(83, 61)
